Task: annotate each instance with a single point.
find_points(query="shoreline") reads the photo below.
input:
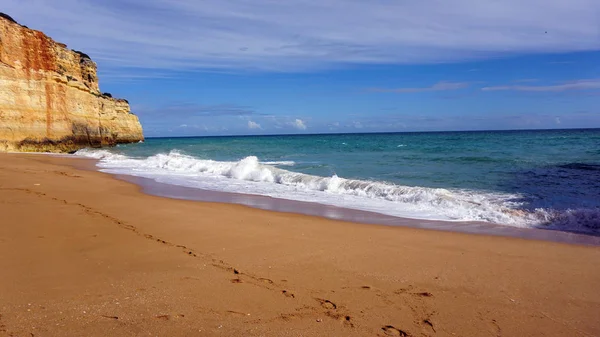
(84, 253)
(152, 187)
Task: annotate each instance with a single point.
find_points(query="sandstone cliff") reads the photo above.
(50, 99)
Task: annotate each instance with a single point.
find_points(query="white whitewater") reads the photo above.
(250, 176)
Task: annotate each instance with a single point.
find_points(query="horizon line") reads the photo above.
(371, 133)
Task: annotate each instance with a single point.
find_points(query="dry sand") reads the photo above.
(84, 254)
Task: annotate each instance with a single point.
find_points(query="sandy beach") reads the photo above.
(85, 254)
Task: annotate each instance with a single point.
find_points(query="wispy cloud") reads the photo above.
(469, 121)
(193, 117)
(189, 110)
(440, 86)
(295, 35)
(133, 76)
(567, 86)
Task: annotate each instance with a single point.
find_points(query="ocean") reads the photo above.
(529, 179)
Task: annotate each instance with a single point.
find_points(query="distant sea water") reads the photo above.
(545, 179)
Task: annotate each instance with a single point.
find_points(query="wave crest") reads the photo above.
(381, 197)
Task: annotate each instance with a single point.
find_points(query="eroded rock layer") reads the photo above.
(50, 99)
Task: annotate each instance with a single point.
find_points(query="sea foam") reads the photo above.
(251, 176)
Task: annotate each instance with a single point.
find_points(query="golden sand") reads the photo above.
(84, 254)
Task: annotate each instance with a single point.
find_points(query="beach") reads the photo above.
(83, 253)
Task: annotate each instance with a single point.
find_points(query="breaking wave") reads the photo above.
(251, 176)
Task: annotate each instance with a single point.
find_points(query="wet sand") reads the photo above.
(82, 253)
(150, 186)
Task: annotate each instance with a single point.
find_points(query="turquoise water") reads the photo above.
(518, 178)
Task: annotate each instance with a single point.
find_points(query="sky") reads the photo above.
(245, 67)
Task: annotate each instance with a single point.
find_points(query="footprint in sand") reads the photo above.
(287, 293)
(428, 323)
(327, 304)
(413, 293)
(424, 294)
(266, 280)
(392, 331)
(236, 313)
(168, 317)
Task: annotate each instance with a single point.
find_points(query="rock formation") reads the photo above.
(49, 97)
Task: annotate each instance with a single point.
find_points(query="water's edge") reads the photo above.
(151, 187)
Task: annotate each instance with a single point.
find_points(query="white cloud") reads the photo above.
(253, 125)
(572, 85)
(296, 35)
(440, 86)
(299, 124)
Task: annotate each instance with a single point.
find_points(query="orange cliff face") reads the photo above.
(50, 100)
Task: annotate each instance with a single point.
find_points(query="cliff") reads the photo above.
(50, 100)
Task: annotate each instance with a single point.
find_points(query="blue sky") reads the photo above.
(269, 67)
